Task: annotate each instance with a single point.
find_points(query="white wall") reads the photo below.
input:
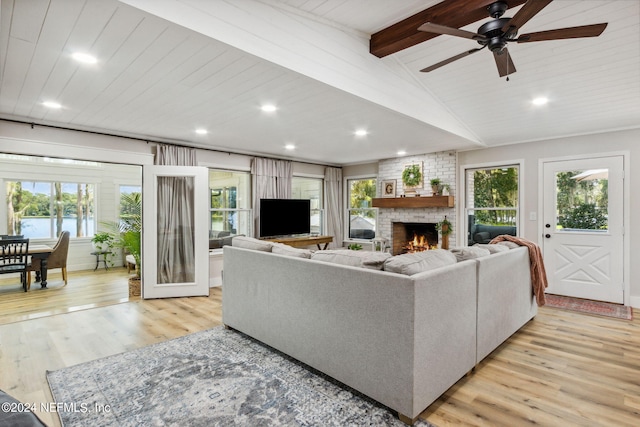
(532, 153)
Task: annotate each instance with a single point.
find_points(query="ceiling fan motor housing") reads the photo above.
(492, 30)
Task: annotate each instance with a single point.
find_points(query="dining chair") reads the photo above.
(13, 258)
(57, 258)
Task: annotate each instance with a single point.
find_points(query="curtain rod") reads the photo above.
(33, 124)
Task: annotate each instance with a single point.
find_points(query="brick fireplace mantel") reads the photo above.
(414, 202)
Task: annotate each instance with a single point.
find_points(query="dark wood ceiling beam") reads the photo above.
(452, 13)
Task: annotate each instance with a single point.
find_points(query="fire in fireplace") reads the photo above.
(409, 237)
(419, 243)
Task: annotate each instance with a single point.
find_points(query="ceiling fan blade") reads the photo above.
(430, 27)
(503, 62)
(563, 33)
(528, 11)
(453, 58)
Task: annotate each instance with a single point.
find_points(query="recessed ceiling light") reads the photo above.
(268, 108)
(361, 132)
(540, 100)
(84, 58)
(401, 153)
(202, 131)
(290, 147)
(51, 104)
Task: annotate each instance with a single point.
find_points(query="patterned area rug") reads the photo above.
(590, 307)
(217, 377)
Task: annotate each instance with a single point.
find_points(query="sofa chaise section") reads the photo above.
(505, 297)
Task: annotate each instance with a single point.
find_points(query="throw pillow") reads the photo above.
(366, 259)
(251, 243)
(494, 249)
(282, 249)
(418, 262)
(463, 254)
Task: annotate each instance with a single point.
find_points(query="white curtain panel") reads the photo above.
(271, 179)
(175, 214)
(333, 204)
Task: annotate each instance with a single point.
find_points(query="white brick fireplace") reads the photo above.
(435, 165)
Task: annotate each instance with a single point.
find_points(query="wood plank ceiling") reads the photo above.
(158, 80)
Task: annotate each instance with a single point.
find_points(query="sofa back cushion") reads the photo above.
(251, 243)
(494, 249)
(366, 259)
(418, 262)
(472, 252)
(282, 249)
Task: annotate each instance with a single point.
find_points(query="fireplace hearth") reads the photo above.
(409, 237)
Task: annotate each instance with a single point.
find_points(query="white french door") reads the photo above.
(175, 259)
(583, 230)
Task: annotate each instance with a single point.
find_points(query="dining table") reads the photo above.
(42, 252)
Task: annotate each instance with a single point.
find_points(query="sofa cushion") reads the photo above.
(494, 249)
(282, 249)
(251, 243)
(510, 245)
(473, 252)
(366, 259)
(418, 262)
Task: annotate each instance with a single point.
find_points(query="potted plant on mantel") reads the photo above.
(436, 189)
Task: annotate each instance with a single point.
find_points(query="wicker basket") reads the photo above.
(134, 286)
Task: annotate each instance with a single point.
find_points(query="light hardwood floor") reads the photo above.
(561, 369)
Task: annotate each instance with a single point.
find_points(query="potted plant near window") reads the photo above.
(127, 235)
(103, 243)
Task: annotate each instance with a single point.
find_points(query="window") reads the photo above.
(491, 203)
(45, 209)
(362, 217)
(130, 202)
(310, 188)
(230, 202)
(582, 200)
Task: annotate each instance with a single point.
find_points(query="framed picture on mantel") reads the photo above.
(389, 188)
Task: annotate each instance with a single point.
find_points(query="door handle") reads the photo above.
(547, 236)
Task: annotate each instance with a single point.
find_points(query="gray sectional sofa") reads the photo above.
(400, 339)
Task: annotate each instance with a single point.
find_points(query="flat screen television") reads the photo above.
(284, 217)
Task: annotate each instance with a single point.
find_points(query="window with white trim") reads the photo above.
(362, 218)
(492, 202)
(230, 202)
(311, 189)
